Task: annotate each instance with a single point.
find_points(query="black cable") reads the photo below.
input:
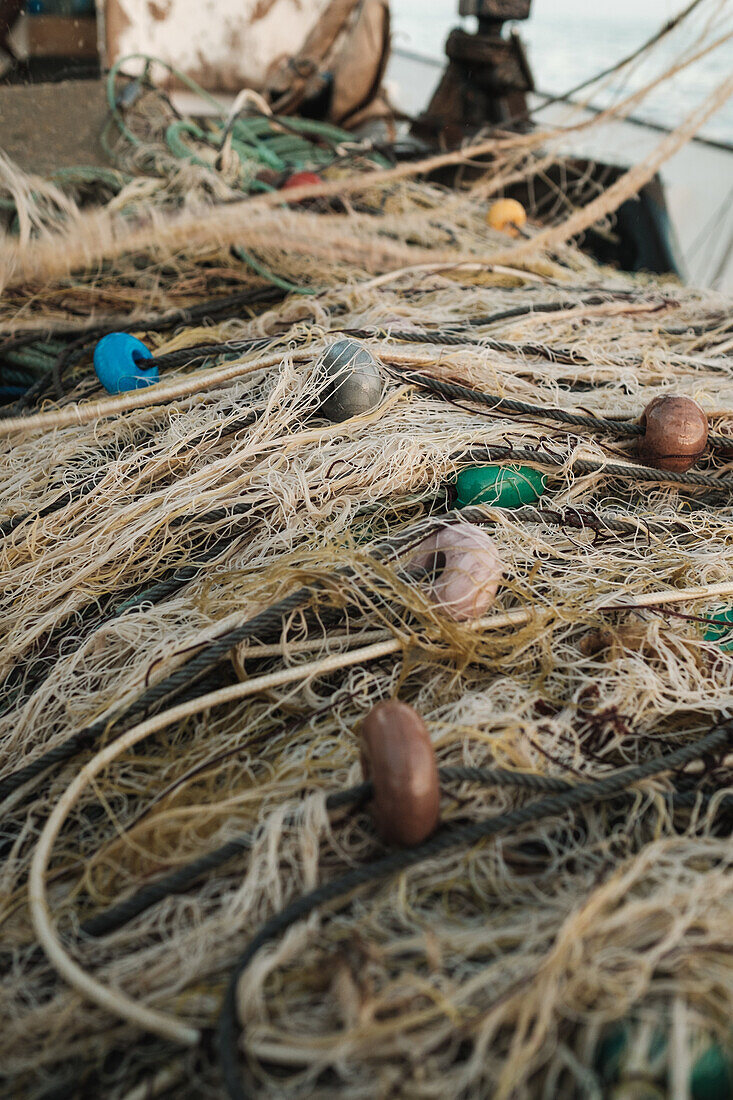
(212, 682)
(78, 492)
(154, 323)
(269, 621)
(575, 518)
(78, 349)
(453, 337)
(713, 326)
(454, 392)
(578, 518)
(173, 581)
(198, 352)
(500, 452)
(167, 585)
(264, 626)
(560, 306)
(123, 912)
(68, 496)
(446, 839)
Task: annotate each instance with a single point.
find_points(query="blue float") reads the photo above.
(118, 362)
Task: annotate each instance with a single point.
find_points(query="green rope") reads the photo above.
(30, 359)
(178, 148)
(83, 173)
(149, 60)
(271, 277)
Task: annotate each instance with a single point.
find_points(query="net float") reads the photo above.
(720, 628)
(506, 216)
(675, 433)
(502, 486)
(398, 756)
(351, 381)
(301, 179)
(464, 569)
(122, 363)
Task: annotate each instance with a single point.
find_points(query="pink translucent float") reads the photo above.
(465, 569)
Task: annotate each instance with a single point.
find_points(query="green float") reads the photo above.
(721, 626)
(712, 1074)
(503, 486)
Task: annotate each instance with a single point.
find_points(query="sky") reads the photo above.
(587, 11)
(653, 9)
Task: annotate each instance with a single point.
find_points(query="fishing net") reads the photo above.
(584, 953)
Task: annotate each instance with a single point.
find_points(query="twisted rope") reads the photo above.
(93, 331)
(454, 392)
(120, 914)
(150, 322)
(199, 352)
(79, 491)
(168, 585)
(452, 338)
(268, 623)
(123, 912)
(500, 452)
(446, 839)
(264, 626)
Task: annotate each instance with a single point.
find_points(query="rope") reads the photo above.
(123, 912)
(453, 338)
(78, 492)
(560, 306)
(497, 453)
(578, 519)
(151, 322)
(445, 840)
(86, 334)
(199, 352)
(263, 626)
(587, 82)
(454, 392)
(269, 621)
(70, 496)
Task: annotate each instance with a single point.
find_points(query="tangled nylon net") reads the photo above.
(503, 969)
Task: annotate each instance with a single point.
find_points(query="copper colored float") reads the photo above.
(675, 435)
(398, 755)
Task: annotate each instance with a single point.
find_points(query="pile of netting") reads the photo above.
(209, 582)
(207, 586)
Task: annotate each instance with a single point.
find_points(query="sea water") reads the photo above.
(570, 40)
